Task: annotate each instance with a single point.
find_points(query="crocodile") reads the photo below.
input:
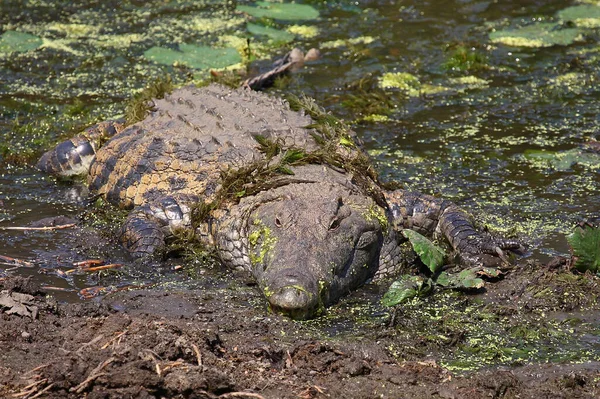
(285, 194)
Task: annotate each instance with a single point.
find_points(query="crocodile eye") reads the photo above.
(335, 223)
(278, 222)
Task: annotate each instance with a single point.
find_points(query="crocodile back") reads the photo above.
(191, 136)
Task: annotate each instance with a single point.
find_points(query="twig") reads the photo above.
(93, 375)
(45, 228)
(43, 391)
(198, 354)
(37, 368)
(88, 263)
(241, 395)
(29, 389)
(96, 268)
(87, 344)
(52, 288)
(113, 339)
(14, 261)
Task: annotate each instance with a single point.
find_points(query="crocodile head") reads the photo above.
(308, 249)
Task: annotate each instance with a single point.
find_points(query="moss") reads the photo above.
(140, 105)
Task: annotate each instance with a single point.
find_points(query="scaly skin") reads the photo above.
(308, 238)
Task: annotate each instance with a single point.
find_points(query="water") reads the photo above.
(469, 141)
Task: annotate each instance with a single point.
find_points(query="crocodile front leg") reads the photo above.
(430, 216)
(149, 226)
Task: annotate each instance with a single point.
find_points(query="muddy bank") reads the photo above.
(201, 344)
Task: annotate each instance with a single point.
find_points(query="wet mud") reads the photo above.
(223, 344)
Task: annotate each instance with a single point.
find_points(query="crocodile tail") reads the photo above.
(74, 156)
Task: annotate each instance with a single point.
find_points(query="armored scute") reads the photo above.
(285, 194)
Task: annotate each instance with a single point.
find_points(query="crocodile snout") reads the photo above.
(292, 294)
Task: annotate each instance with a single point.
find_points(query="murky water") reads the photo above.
(466, 133)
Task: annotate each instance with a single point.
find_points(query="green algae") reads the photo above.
(468, 83)
(468, 334)
(361, 40)
(305, 31)
(375, 118)
(404, 81)
(377, 213)
(262, 241)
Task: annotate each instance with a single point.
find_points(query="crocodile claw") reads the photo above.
(489, 251)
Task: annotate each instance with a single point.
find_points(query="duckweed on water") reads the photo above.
(401, 80)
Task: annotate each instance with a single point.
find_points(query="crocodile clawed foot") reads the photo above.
(489, 251)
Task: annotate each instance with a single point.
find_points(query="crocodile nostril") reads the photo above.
(294, 302)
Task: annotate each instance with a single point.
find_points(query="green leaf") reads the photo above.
(563, 160)
(262, 141)
(284, 170)
(20, 42)
(544, 34)
(197, 57)
(431, 255)
(465, 280)
(292, 156)
(584, 15)
(444, 279)
(585, 242)
(281, 11)
(473, 283)
(275, 34)
(405, 288)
